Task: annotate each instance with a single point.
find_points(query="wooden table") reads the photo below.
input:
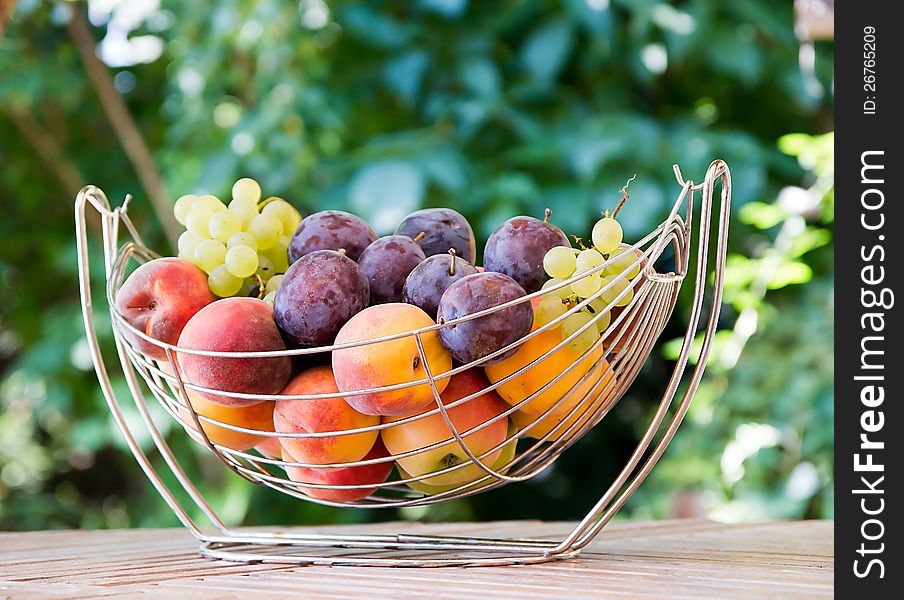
(662, 559)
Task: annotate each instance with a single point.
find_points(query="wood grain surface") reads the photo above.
(662, 559)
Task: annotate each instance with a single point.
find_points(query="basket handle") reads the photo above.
(634, 473)
(110, 220)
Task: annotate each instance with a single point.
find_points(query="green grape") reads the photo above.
(624, 258)
(269, 298)
(559, 262)
(285, 240)
(598, 307)
(549, 310)
(265, 268)
(584, 340)
(209, 254)
(242, 238)
(283, 211)
(186, 240)
(245, 210)
(561, 293)
(223, 283)
(618, 286)
(211, 202)
(241, 261)
(588, 259)
(607, 235)
(246, 189)
(266, 230)
(223, 225)
(587, 285)
(279, 256)
(182, 206)
(197, 221)
(273, 284)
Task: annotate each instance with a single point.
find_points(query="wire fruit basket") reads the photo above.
(583, 392)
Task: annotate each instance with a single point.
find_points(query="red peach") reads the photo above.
(374, 474)
(234, 325)
(159, 298)
(322, 415)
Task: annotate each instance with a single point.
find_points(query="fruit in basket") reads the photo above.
(506, 454)
(270, 446)
(517, 249)
(159, 298)
(536, 427)
(234, 325)
(607, 234)
(387, 263)
(443, 228)
(317, 295)
(573, 385)
(321, 416)
(257, 416)
(369, 475)
(427, 430)
(477, 338)
(428, 281)
(331, 230)
(390, 362)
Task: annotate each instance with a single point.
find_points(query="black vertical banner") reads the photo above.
(869, 259)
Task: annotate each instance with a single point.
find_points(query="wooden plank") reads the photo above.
(674, 559)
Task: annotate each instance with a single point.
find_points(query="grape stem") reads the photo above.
(547, 215)
(452, 266)
(625, 196)
(261, 287)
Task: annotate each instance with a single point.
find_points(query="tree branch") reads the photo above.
(123, 125)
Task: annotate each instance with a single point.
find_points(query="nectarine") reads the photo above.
(159, 298)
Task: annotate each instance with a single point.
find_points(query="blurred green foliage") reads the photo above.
(382, 108)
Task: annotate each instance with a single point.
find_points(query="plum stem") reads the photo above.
(547, 215)
(341, 251)
(452, 266)
(420, 236)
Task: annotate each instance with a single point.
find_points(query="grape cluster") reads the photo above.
(241, 245)
(562, 263)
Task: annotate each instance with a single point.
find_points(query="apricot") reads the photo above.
(257, 416)
(322, 415)
(425, 431)
(533, 379)
(374, 475)
(159, 298)
(390, 362)
(234, 325)
(270, 447)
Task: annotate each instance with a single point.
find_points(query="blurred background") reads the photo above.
(493, 108)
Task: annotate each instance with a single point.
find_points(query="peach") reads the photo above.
(530, 381)
(257, 416)
(271, 446)
(322, 415)
(423, 432)
(234, 325)
(370, 475)
(389, 363)
(159, 298)
(506, 454)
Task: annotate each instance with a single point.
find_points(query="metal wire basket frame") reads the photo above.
(597, 386)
